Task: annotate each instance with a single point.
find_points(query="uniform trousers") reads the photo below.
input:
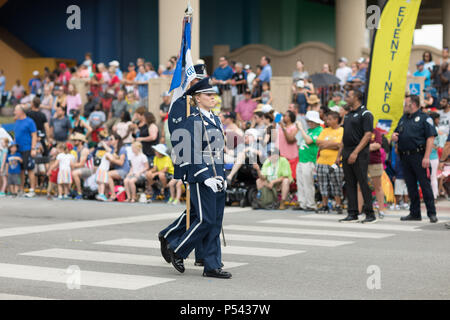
(355, 174)
(205, 228)
(177, 228)
(413, 173)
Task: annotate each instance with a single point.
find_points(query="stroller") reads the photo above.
(243, 188)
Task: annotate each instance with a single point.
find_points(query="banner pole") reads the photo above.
(188, 189)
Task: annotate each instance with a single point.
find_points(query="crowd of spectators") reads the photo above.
(111, 146)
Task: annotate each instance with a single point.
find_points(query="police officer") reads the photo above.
(358, 127)
(415, 136)
(176, 120)
(206, 177)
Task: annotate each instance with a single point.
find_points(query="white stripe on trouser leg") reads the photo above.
(201, 219)
(179, 221)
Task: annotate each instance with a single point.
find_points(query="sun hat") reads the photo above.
(78, 137)
(161, 148)
(266, 108)
(313, 116)
(313, 99)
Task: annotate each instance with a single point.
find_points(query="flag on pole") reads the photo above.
(389, 62)
(184, 71)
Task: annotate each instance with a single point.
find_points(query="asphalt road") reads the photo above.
(92, 250)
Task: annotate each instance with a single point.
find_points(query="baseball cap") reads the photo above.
(343, 59)
(361, 60)
(420, 63)
(247, 66)
(131, 64)
(35, 73)
(114, 63)
(165, 94)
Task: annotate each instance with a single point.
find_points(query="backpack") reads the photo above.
(268, 199)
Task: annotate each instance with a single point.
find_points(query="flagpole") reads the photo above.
(188, 15)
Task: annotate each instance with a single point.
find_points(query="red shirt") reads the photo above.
(375, 156)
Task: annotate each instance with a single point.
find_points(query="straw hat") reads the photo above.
(78, 137)
(313, 99)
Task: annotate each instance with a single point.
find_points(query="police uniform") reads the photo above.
(356, 124)
(206, 164)
(413, 131)
(176, 120)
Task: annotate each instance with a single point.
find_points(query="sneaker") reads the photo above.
(2, 194)
(381, 214)
(170, 200)
(30, 194)
(323, 210)
(175, 202)
(405, 206)
(349, 218)
(79, 197)
(338, 210)
(66, 197)
(101, 197)
(60, 198)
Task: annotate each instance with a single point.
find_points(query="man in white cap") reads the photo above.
(35, 84)
(343, 71)
(307, 161)
(116, 66)
(250, 76)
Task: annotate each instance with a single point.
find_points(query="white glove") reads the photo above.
(224, 182)
(213, 183)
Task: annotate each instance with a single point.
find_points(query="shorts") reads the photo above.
(27, 160)
(54, 176)
(122, 173)
(139, 180)
(375, 170)
(14, 179)
(400, 188)
(168, 177)
(84, 172)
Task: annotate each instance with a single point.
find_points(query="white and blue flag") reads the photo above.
(185, 71)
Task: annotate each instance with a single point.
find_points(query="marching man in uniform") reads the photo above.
(206, 177)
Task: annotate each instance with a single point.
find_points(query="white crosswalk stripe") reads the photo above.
(229, 249)
(87, 278)
(113, 257)
(360, 226)
(314, 232)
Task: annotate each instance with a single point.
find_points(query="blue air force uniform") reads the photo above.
(206, 227)
(176, 120)
(413, 131)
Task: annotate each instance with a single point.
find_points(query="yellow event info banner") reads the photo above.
(389, 62)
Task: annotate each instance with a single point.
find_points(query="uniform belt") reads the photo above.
(420, 149)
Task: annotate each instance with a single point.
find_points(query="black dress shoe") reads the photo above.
(164, 251)
(433, 219)
(217, 273)
(177, 262)
(370, 219)
(349, 218)
(410, 218)
(199, 263)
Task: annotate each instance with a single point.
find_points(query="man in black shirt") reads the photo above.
(239, 79)
(358, 127)
(40, 120)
